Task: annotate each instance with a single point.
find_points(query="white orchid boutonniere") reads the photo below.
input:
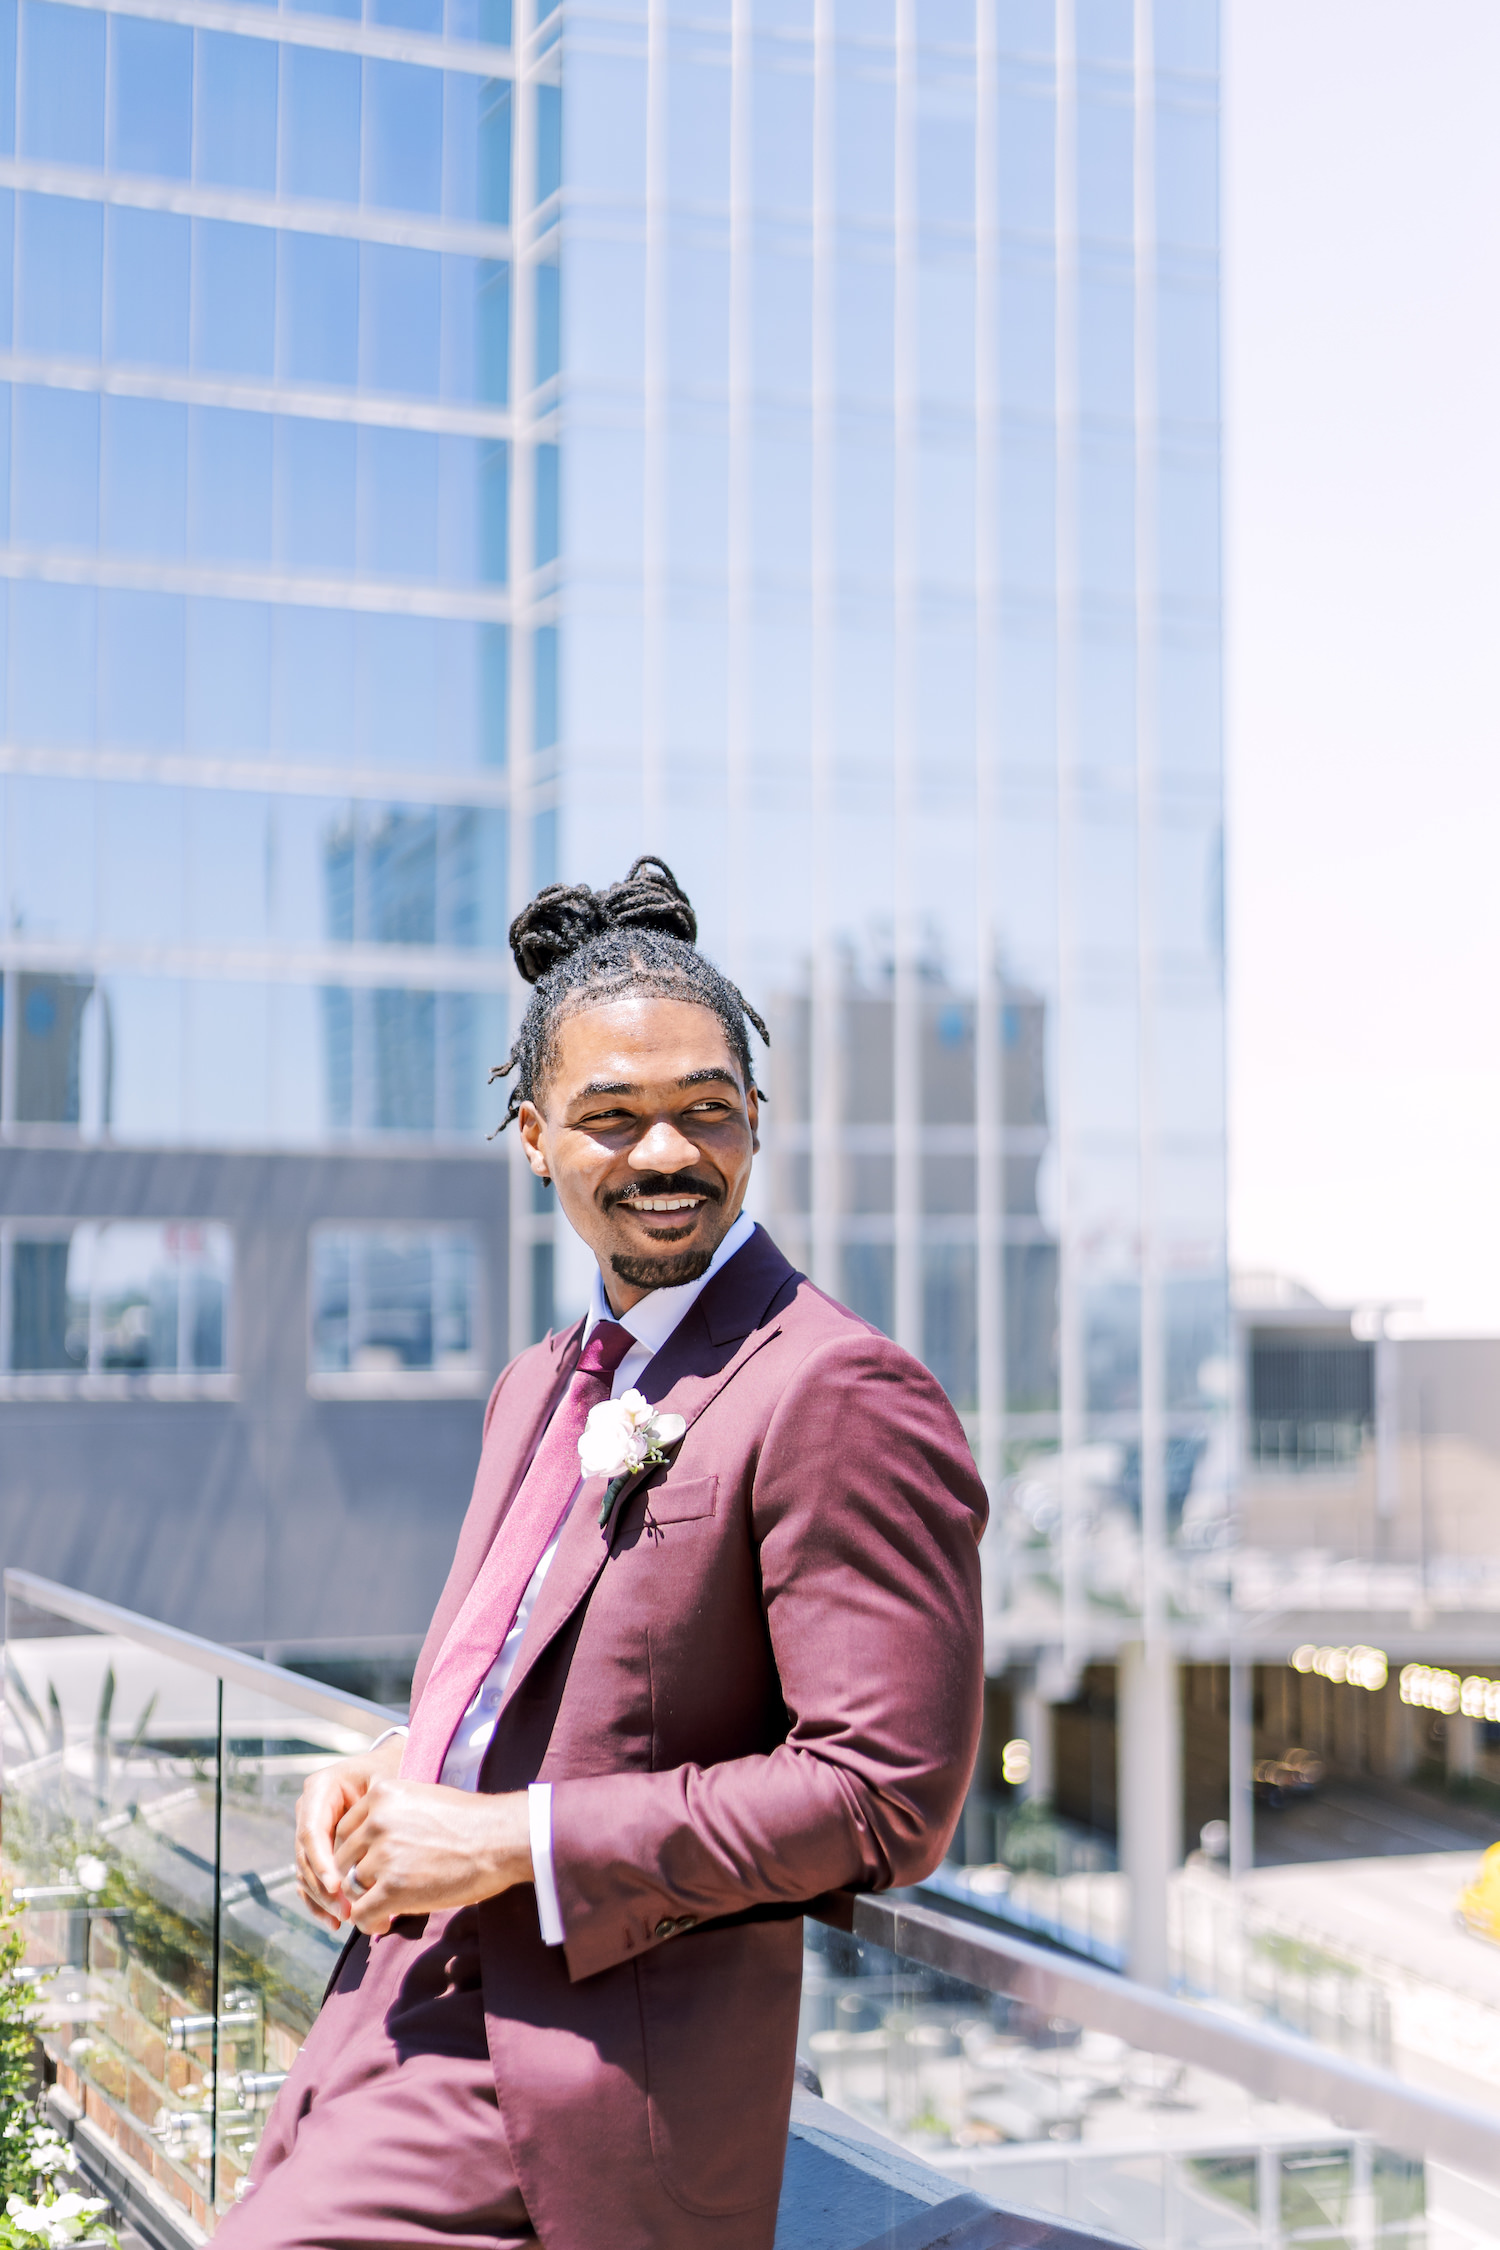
(622, 1436)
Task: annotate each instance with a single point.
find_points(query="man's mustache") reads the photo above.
(661, 1183)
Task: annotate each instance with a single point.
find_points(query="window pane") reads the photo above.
(229, 676)
(399, 503)
(57, 1014)
(148, 268)
(144, 498)
(400, 312)
(320, 151)
(62, 83)
(231, 485)
(319, 309)
(142, 672)
(237, 111)
(494, 153)
(548, 141)
(56, 495)
(151, 106)
(61, 255)
(122, 1297)
(315, 491)
(404, 133)
(49, 1324)
(394, 1303)
(234, 298)
(53, 646)
(546, 520)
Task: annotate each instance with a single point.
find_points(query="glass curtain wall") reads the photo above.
(254, 582)
(875, 486)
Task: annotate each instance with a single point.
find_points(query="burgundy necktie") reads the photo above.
(478, 1633)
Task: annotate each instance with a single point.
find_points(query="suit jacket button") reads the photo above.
(686, 1921)
(666, 1926)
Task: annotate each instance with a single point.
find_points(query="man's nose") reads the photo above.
(665, 1148)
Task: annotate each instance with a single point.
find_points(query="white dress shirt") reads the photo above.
(651, 1322)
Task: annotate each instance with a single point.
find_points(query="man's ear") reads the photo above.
(532, 1127)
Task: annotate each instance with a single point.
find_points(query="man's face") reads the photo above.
(647, 1131)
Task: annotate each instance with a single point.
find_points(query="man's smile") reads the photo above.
(663, 1202)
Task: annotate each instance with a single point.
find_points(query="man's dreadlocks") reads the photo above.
(583, 948)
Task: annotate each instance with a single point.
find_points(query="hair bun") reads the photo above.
(565, 916)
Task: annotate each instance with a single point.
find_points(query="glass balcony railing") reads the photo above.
(150, 1780)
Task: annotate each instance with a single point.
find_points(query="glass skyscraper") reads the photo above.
(449, 453)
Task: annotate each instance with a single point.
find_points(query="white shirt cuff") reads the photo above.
(549, 1913)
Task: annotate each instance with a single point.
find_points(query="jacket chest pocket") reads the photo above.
(681, 1499)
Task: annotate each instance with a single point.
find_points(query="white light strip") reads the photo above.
(405, 968)
(261, 777)
(379, 410)
(391, 598)
(405, 230)
(467, 56)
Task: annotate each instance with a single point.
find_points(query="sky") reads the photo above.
(1362, 580)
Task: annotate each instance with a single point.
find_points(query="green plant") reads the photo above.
(41, 2212)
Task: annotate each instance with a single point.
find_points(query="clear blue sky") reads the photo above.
(1362, 389)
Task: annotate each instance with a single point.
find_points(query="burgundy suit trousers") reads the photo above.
(387, 2132)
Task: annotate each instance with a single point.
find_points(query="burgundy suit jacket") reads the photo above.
(764, 1684)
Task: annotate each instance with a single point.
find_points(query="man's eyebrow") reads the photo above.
(716, 1075)
(605, 1086)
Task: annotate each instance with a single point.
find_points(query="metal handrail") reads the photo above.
(1274, 2064)
(204, 1656)
(1271, 2063)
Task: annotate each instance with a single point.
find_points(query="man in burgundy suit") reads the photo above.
(720, 1663)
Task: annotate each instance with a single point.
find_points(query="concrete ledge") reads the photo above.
(848, 2188)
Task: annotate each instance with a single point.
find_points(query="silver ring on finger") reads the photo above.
(357, 1888)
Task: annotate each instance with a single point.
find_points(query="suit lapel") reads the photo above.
(720, 1334)
(522, 1413)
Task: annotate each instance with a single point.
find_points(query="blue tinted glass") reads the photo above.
(1188, 704)
(55, 492)
(546, 525)
(151, 97)
(1185, 34)
(226, 864)
(494, 695)
(145, 1020)
(1188, 527)
(494, 515)
(1105, 30)
(783, 135)
(148, 263)
(1027, 510)
(236, 111)
(607, 122)
(1106, 177)
(1025, 27)
(1106, 340)
(229, 677)
(319, 332)
(62, 83)
(7, 261)
(140, 857)
(544, 687)
(53, 646)
(1187, 355)
(50, 864)
(548, 141)
(1106, 517)
(142, 671)
(226, 1080)
(234, 298)
(144, 498)
(1024, 143)
(399, 515)
(492, 334)
(61, 292)
(314, 684)
(7, 76)
(400, 686)
(866, 158)
(548, 323)
(494, 22)
(320, 117)
(1025, 332)
(400, 312)
(5, 451)
(408, 15)
(697, 121)
(1187, 175)
(231, 486)
(1106, 702)
(494, 153)
(462, 100)
(945, 160)
(315, 463)
(404, 136)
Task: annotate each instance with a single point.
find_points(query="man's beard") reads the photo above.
(667, 1272)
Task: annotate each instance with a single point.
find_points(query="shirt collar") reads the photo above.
(660, 1311)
